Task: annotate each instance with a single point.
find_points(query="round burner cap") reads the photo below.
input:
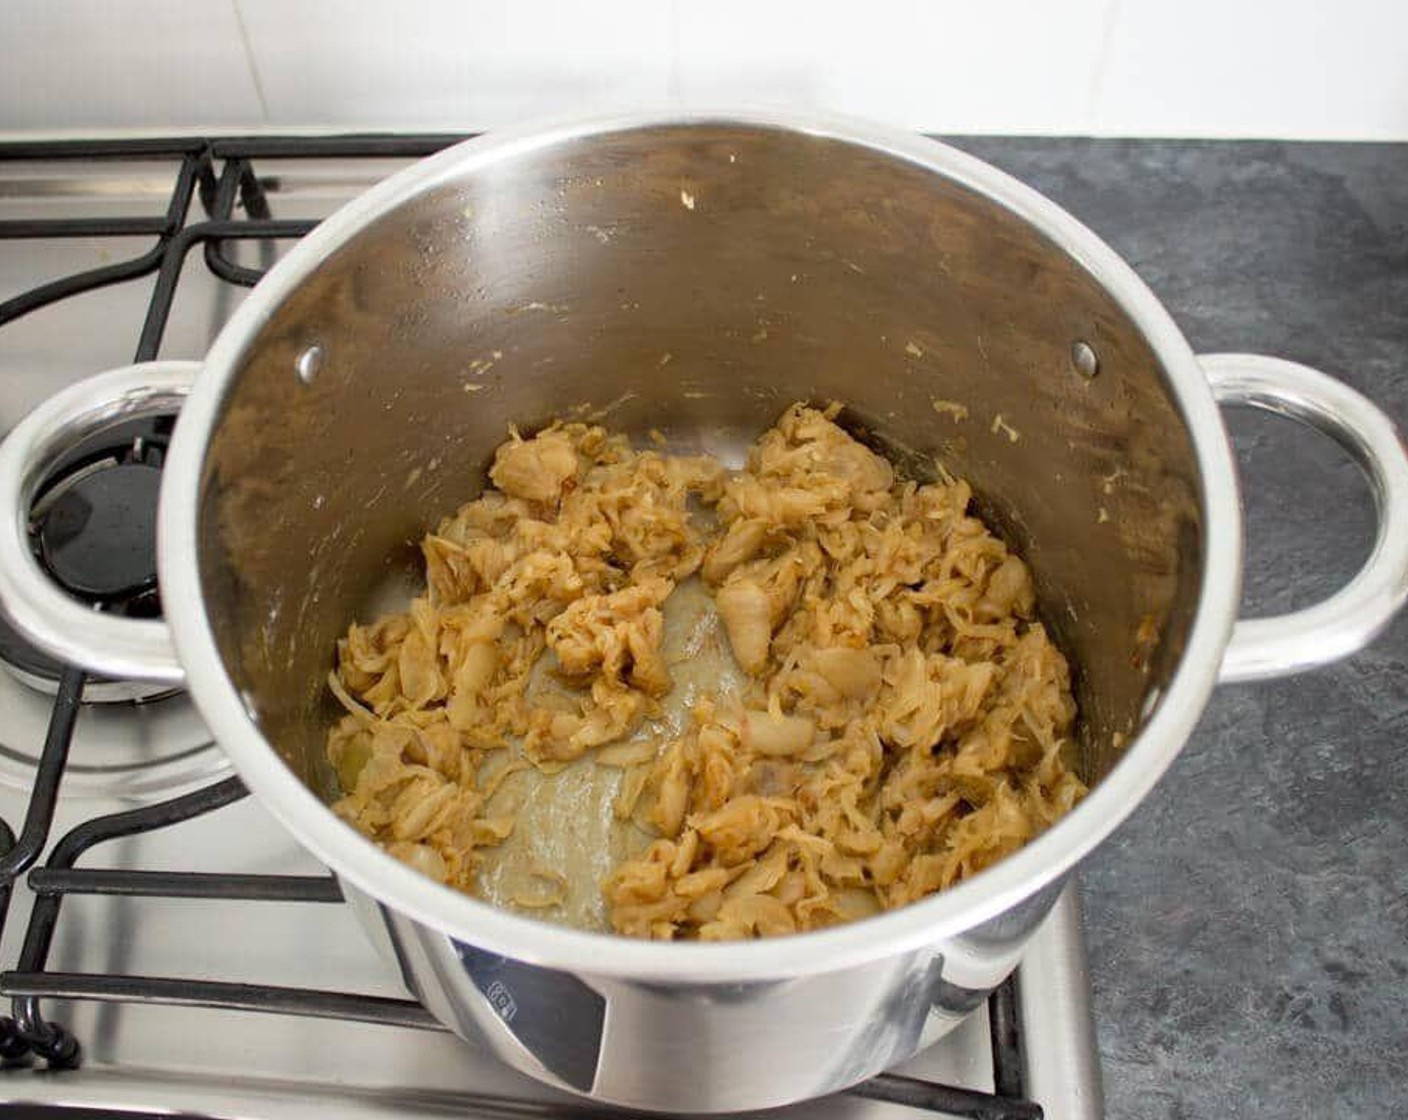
(98, 536)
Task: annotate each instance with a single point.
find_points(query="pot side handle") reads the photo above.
(1350, 618)
(59, 624)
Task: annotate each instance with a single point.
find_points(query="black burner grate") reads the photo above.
(222, 176)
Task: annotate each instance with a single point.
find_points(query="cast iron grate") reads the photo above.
(221, 175)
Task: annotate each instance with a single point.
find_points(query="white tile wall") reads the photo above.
(454, 64)
(121, 65)
(1331, 68)
(1293, 68)
(943, 65)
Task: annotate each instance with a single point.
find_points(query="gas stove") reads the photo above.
(166, 946)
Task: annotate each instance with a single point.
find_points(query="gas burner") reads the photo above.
(96, 531)
(136, 750)
(93, 522)
(93, 528)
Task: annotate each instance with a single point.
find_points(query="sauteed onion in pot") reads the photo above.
(883, 713)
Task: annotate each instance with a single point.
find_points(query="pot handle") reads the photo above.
(1350, 618)
(57, 623)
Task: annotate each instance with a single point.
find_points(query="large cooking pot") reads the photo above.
(695, 275)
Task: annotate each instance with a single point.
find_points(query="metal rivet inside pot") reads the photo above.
(1084, 358)
(309, 363)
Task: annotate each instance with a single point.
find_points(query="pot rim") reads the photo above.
(363, 864)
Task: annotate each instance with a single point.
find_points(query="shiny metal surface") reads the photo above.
(135, 751)
(1063, 1071)
(97, 691)
(119, 750)
(196, 1061)
(711, 1048)
(151, 1058)
(695, 276)
(804, 268)
(1084, 358)
(66, 627)
(1350, 618)
(743, 265)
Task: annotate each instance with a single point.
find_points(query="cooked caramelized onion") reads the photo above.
(905, 721)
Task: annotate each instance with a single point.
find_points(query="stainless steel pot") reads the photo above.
(695, 275)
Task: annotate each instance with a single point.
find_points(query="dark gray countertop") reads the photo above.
(1248, 926)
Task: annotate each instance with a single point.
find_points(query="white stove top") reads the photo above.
(236, 1063)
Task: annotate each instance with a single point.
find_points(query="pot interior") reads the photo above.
(694, 280)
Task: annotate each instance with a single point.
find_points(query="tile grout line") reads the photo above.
(1100, 66)
(674, 82)
(249, 61)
